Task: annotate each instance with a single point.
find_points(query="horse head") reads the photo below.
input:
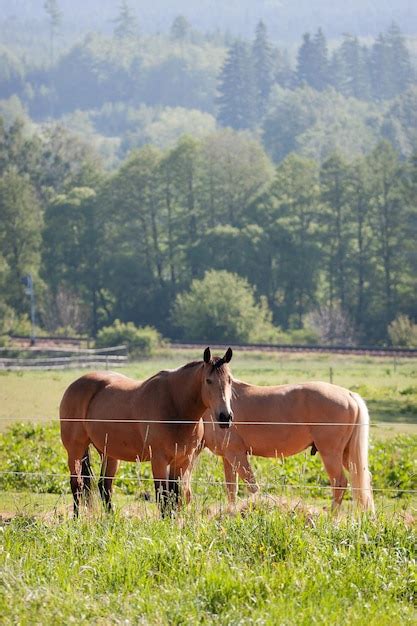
(217, 387)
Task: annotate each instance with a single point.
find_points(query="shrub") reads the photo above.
(140, 341)
(222, 307)
(403, 332)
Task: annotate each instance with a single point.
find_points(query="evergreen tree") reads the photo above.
(180, 28)
(400, 64)
(349, 70)
(263, 67)
(305, 60)
(237, 100)
(379, 66)
(320, 78)
(313, 62)
(125, 23)
(390, 64)
(52, 9)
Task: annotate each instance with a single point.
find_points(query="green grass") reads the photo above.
(266, 568)
(270, 566)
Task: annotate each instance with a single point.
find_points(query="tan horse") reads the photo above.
(284, 420)
(157, 420)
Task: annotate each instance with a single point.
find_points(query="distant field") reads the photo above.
(389, 386)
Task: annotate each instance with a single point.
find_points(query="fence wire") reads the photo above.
(208, 483)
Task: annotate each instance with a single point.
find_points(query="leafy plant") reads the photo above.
(141, 341)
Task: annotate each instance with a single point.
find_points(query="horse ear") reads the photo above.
(228, 356)
(207, 355)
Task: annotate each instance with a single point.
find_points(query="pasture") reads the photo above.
(285, 560)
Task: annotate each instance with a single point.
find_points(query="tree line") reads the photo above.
(308, 237)
(249, 73)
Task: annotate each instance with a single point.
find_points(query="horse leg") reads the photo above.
(80, 470)
(231, 479)
(160, 480)
(240, 464)
(80, 478)
(334, 467)
(105, 483)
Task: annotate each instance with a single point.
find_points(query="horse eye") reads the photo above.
(208, 381)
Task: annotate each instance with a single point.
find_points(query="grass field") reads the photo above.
(285, 561)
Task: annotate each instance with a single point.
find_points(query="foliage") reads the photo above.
(37, 450)
(266, 566)
(403, 332)
(140, 341)
(222, 307)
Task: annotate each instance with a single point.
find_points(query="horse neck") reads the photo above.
(186, 386)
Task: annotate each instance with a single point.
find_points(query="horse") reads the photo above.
(280, 421)
(156, 420)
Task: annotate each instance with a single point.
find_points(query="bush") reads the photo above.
(140, 341)
(403, 332)
(222, 307)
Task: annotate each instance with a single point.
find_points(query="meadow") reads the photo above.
(282, 560)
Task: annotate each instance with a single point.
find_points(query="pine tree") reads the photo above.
(180, 28)
(237, 99)
(390, 64)
(313, 62)
(400, 65)
(263, 67)
(379, 67)
(320, 77)
(304, 60)
(349, 70)
(52, 9)
(125, 23)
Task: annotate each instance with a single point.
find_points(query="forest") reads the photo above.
(138, 169)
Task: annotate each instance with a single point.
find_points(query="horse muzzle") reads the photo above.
(225, 420)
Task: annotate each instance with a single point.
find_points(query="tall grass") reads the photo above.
(265, 568)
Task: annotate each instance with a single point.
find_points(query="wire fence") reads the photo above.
(279, 483)
(181, 422)
(209, 483)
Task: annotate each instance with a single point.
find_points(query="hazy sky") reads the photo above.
(286, 19)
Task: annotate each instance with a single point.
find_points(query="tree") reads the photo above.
(400, 63)
(289, 216)
(388, 223)
(237, 98)
(305, 60)
(222, 307)
(320, 69)
(312, 61)
(55, 17)
(71, 244)
(180, 28)
(263, 67)
(52, 9)
(337, 232)
(349, 69)
(391, 71)
(125, 22)
(20, 234)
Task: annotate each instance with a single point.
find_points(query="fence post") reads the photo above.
(331, 374)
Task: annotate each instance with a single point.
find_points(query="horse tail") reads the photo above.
(357, 450)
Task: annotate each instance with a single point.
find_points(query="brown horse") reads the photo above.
(284, 420)
(157, 420)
